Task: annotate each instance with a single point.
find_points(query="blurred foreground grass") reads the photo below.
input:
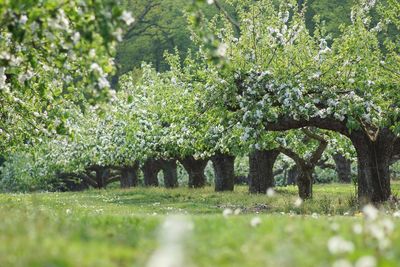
(121, 227)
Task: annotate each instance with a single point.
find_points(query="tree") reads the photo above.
(53, 54)
(289, 79)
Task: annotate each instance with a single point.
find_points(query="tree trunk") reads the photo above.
(373, 159)
(224, 169)
(305, 183)
(129, 176)
(102, 175)
(292, 175)
(261, 174)
(170, 171)
(343, 168)
(195, 169)
(150, 169)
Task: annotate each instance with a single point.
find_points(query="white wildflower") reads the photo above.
(396, 214)
(366, 261)
(210, 2)
(172, 236)
(237, 211)
(298, 202)
(387, 225)
(370, 212)
(227, 212)
(270, 192)
(342, 263)
(357, 229)
(68, 211)
(338, 245)
(335, 227)
(256, 221)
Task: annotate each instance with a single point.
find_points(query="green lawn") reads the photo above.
(123, 228)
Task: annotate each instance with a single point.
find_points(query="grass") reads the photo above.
(122, 227)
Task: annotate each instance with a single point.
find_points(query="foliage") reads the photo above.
(52, 54)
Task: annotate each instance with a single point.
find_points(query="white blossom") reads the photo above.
(118, 34)
(285, 16)
(221, 50)
(127, 17)
(76, 37)
(103, 82)
(23, 19)
(95, 67)
(3, 77)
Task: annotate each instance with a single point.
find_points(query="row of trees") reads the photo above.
(259, 83)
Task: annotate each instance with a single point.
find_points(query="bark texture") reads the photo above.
(195, 169)
(170, 171)
(151, 168)
(292, 175)
(129, 175)
(343, 168)
(224, 169)
(305, 182)
(373, 157)
(261, 175)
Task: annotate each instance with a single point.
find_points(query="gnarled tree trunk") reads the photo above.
(170, 171)
(261, 174)
(224, 169)
(151, 168)
(343, 168)
(373, 157)
(195, 169)
(129, 175)
(305, 182)
(102, 175)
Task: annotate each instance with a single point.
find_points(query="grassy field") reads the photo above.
(139, 227)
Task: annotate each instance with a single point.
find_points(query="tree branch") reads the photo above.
(234, 23)
(285, 123)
